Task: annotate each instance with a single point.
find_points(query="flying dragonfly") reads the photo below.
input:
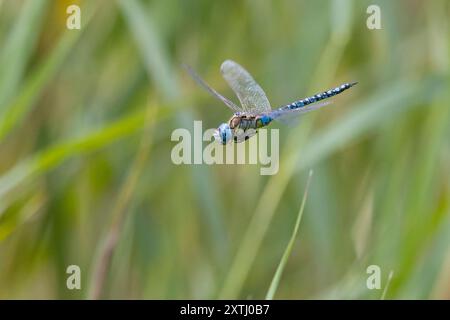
(255, 111)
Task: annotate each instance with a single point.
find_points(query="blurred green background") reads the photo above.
(86, 176)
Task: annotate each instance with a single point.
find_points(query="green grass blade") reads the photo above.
(18, 48)
(287, 252)
(55, 155)
(153, 52)
(38, 80)
(386, 287)
(34, 86)
(121, 209)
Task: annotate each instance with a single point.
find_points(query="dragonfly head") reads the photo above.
(223, 134)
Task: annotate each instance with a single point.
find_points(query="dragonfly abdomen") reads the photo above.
(320, 96)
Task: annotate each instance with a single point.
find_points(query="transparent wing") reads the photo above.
(291, 117)
(213, 92)
(250, 94)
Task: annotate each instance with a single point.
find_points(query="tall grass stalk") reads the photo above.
(121, 210)
(287, 252)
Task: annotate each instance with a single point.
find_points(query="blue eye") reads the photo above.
(223, 134)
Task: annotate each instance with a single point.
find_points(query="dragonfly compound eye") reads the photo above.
(223, 134)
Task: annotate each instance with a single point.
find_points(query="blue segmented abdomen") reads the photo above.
(317, 97)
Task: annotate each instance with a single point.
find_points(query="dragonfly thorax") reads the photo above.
(235, 120)
(244, 121)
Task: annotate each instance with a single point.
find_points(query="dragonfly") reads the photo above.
(255, 111)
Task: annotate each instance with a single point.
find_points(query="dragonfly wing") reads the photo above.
(213, 92)
(291, 117)
(250, 94)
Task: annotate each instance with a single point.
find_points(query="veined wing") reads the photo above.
(250, 94)
(213, 92)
